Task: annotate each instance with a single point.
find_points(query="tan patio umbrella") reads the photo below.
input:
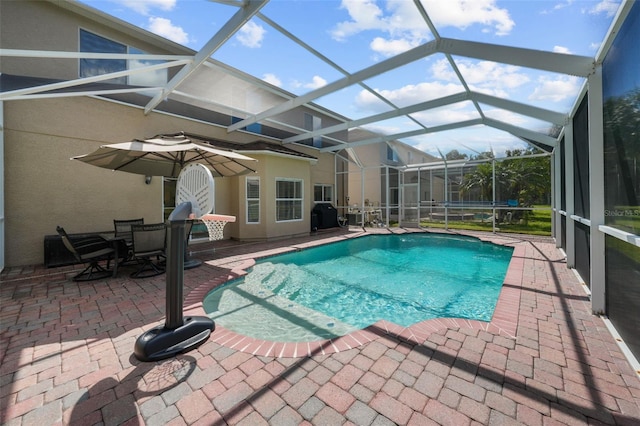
(166, 155)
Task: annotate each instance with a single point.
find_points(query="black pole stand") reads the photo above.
(189, 262)
(178, 334)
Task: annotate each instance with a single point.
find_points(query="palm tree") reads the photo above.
(481, 177)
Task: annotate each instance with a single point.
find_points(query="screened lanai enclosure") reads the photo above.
(387, 95)
(492, 192)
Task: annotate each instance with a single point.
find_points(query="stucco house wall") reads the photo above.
(44, 188)
(373, 157)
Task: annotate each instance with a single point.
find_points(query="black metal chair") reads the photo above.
(89, 251)
(148, 242)
(122, 229)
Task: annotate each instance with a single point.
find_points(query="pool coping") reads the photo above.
(504, 321)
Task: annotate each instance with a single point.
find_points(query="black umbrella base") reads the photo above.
(161, 342)
(192, 263)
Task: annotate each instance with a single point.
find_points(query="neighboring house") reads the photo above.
(373, 164)
(43, 188)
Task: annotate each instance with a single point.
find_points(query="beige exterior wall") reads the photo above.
(272, 167)
(44, 188)
(366, 183)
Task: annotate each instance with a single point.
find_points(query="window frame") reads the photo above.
(125, 64)
(392, 154)
(252, 199)
(298, 200)
(323, 186)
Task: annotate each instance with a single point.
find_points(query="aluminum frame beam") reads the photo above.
(496, 124)
(581, 66)
(404, 58)
(80, 81)
(517, 107)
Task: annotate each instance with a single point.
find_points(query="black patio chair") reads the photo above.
(148, 243)
(89, 251)
(122, 229)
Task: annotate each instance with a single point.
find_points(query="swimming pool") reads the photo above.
(334, 289)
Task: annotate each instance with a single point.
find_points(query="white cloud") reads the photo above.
(557, 6)
(608, 7)
(470, 140)
(556, 90)
(483, 76)
(463, 13)
(505, 116)
(251, 35)
(405, 28)
(163, 27)
(561, 49)
(272, 79)
(391, 47)
(455, 113)
(365, 15)
(315, 83)
(144, 6)
(406, 95)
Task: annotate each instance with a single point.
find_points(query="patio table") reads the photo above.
(117, 242)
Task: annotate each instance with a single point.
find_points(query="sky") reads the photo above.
(355, 34)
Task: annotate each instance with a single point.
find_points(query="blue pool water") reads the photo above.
(336, 288)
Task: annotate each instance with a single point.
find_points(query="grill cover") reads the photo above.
(327, 215)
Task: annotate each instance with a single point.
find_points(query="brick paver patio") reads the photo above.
(67, 356)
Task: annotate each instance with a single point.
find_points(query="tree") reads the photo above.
(482, 178)
(482, 156)
(527, 180)
(622, 149)
(454, 154)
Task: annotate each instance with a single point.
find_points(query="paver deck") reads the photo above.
(67, 355)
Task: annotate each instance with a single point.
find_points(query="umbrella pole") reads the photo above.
(179, 334)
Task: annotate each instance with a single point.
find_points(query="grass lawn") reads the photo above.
(538, 223)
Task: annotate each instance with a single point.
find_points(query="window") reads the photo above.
(91, 67)
(288, 200)
(322, 193)
(253, 200)
(391, 154)
(90, 42)
(253, 128)
(147, 78)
